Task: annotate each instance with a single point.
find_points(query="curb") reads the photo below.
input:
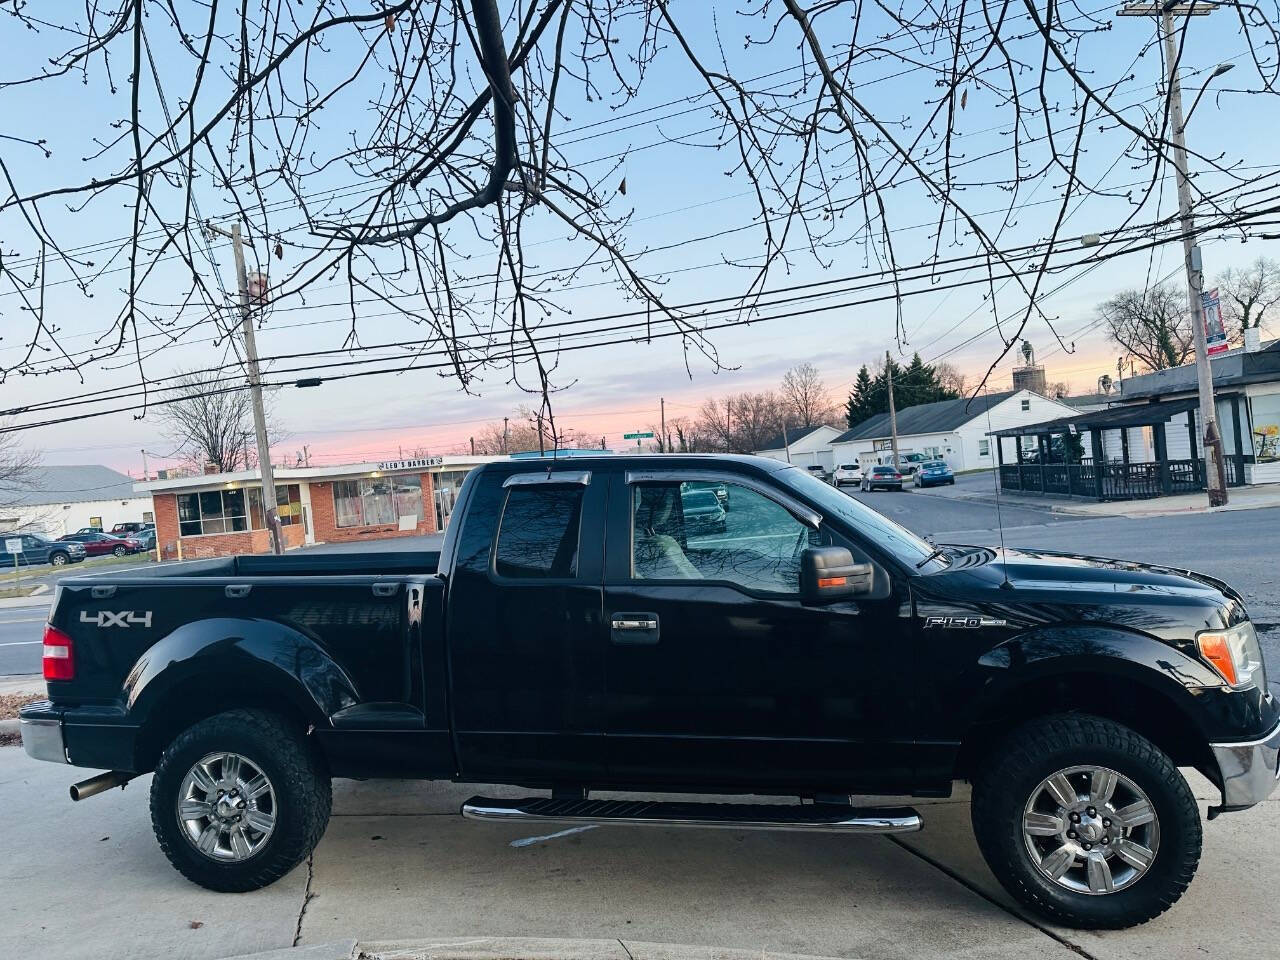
(9, 725)
(42, 597)
(531, 948)
(510, 948)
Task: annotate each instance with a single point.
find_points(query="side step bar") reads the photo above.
(812, 818)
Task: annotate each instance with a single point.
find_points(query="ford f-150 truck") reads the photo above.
(575, 633)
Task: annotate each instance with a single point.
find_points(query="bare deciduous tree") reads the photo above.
(17, 467)
(1247, 293)
(407, 154)
(805, 396)
(1151, 325)
(210, 424)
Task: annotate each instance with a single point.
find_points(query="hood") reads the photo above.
(1044, 586)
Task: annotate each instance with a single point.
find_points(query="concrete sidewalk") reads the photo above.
(398, 867)
(1239, 498)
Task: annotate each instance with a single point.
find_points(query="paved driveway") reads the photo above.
(86, 881)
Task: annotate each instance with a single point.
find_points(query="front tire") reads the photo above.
(59, 559)
(239, 799)
(1086, 822)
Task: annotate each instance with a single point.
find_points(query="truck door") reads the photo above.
(523, 623)
(716, 672)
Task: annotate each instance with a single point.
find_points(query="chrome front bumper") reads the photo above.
(1250, 771)
(42, 739)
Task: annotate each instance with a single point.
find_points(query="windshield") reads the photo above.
(886, 534)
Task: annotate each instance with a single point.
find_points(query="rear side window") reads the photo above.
(538, 536)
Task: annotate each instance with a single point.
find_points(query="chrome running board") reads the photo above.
(811, 818)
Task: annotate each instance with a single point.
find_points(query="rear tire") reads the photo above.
(280, 826)
(1152, 836)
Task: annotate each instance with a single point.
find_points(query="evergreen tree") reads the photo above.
(913, 384)
(859, 406)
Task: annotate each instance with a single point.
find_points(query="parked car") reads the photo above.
(146, 538)
(124, 529)
(567, 638)
(933, 473)
(881, 478)
(98, 544)
(847, 473)
(703, 512)
(909, 463)
(819, 471)
(38, 549)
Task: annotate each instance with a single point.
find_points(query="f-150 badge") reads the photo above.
(124, 618)
(964, 623)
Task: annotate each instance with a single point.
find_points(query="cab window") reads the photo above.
(538, 535)
(700, 530)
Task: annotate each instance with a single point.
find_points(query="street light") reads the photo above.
(1218, 71)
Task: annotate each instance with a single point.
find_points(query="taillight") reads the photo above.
(57, 660)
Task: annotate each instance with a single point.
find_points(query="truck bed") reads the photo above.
(373, 563)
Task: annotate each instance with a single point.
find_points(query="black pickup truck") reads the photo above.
(574, 634)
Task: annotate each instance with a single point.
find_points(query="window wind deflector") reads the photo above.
(579, 477)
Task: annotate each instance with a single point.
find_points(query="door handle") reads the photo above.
(634, 628)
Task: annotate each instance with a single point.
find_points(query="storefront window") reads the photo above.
(1265, 424)
(288, 505)
(211, 511)
(377, 500)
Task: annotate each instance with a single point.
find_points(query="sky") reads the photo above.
(692, 216)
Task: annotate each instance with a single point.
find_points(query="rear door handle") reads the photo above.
(634, 628)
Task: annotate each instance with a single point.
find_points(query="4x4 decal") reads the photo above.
(123, 618)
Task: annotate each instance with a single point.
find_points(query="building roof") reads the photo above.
(1234, 368)
(1112, 418)
(794, 435)
(925, 418)
(1088, 400)
(72, 484)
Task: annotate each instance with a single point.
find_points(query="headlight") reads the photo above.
(1235, 654)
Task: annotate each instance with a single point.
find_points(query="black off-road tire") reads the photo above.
(1016, 766)
(297, 772)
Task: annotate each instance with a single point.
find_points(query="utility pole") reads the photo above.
(893, 413)
(473, 445)
(144, 466)
(728, 425)
(1214, 463)
(662, 437)
(786, 444)
(504, 435)
(255, 389)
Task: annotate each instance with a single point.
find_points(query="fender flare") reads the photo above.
(268, 653)
(1128, 655)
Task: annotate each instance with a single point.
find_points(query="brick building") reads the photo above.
(220, 514)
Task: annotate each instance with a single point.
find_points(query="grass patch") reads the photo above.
(11, 593)
(89, 563)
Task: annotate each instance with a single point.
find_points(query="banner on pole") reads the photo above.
(1215, 334)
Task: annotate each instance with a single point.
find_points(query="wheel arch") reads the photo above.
(1119, 675)
(211, 666)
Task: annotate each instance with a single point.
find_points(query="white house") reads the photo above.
(62, 499)
(950, 430)
(803, 446)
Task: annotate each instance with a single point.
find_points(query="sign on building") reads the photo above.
(1215, 334)
(411, 464)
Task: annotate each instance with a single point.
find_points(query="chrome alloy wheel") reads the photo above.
(1091, 830)
(227, 807)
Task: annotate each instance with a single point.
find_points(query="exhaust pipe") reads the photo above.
(100, 784)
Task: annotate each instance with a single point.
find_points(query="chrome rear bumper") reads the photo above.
(42, 739)
(1250, 771)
